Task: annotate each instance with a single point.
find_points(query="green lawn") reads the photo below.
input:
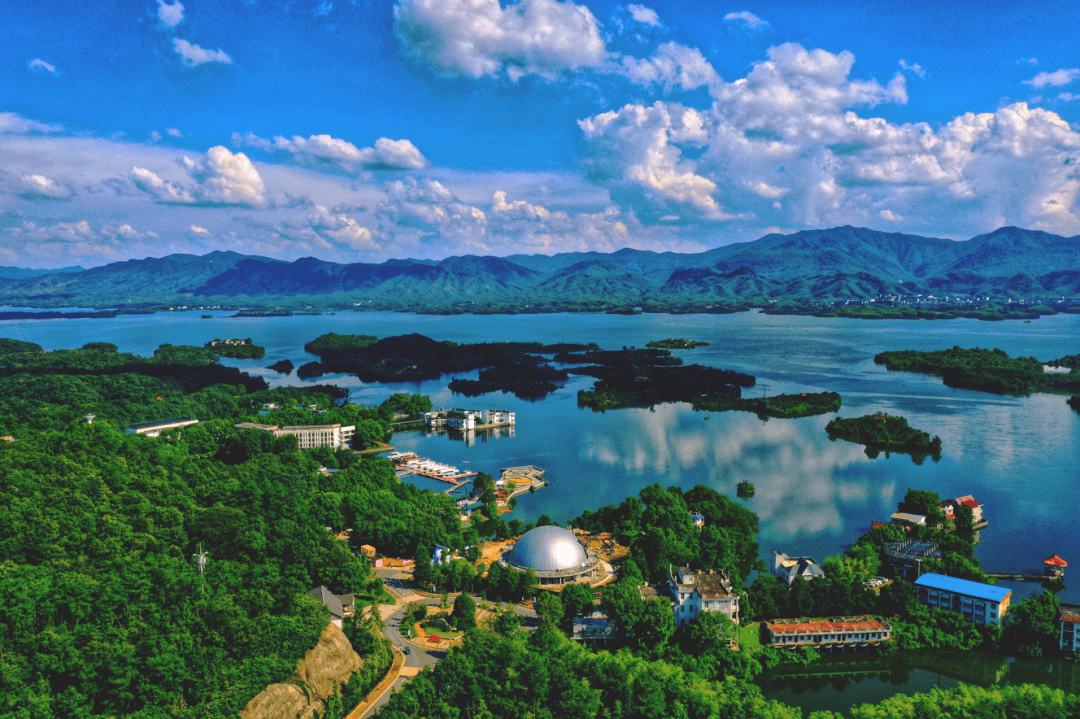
(750, 638)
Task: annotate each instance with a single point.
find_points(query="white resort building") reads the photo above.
(463, 420)
(309, 436)
(697, 592)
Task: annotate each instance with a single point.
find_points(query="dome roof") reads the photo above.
(549, 548)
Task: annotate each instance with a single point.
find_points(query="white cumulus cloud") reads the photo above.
(1057, 78)
(170, 15)
(634, 150)
(644, 15)
(342, 228)
(149, 182)
(221, 178)
(197, 231)
(790, 130)
(193, 55)
(672, 64)
(41, 186)
(173, 132)
(13, 124)
(480, 37)
(39, 65)
(746, 20)
(324, 149)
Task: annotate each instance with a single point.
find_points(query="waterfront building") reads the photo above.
(697, 592)
(791, 568)
(976, 509)
(309, 436)
(555, 555)
(1070, 639)
(498, 416)
(464, 420)
(978, 602)
(904, 519)
(153, 429)
(840, 632)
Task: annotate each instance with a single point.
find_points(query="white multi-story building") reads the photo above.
(697, 592)
(309, 436)
(498, 416)
(464, 420)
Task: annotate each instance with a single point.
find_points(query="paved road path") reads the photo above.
(419, 656)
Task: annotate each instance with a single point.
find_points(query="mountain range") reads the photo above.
(833, 264)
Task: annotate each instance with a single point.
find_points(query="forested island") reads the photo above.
(886, 433)
(675, 344)
(986, 370)
(647, 377)
(783, 406)
(237, 349)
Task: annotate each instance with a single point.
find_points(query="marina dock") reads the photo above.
(1033, 577)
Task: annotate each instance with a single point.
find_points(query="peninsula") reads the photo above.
(986, 370)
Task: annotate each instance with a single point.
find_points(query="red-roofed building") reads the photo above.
(841, 632)
(1070, 638)
(976, 508)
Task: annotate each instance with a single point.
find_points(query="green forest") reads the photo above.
(103, 611)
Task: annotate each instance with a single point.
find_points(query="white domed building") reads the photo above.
(555, 555)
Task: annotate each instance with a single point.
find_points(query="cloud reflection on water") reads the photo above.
(805, 483)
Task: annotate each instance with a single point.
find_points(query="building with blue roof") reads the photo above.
(978, 602)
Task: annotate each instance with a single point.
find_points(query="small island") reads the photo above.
(986, 370)
(283, 366)
(236, 348)
(782, 406)
(674, 344)
(1074, 402)
(885, 432)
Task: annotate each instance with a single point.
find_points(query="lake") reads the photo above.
(1018, 456)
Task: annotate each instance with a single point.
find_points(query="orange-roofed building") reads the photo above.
(839, 632)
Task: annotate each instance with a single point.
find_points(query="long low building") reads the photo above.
(153, 429)
(309, 436)
(978, 602)
(837, 632)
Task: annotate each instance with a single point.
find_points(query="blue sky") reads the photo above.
(361, 130)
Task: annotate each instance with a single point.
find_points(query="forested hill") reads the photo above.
(833, 264)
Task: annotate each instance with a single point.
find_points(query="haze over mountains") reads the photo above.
(839, 263)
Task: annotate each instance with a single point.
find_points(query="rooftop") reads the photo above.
(1070, 613)
(963, 586)
(836, 625)
(162, 423)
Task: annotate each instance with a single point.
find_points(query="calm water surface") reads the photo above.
(1020, 457)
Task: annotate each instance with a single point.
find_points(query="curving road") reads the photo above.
(400, 584)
